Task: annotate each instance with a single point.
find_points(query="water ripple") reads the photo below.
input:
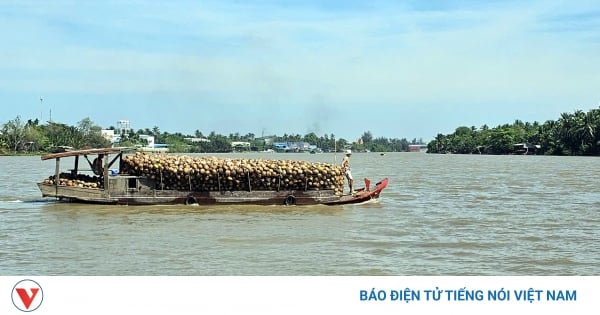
(440, 215)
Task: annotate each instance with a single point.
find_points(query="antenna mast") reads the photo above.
(334, 150)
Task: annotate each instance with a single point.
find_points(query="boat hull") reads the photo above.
(143, 195)
(363, 194)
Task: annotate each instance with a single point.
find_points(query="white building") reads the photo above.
(123, 127)
(196, 140)
(109, 135)
(149, 141)
(240, 145)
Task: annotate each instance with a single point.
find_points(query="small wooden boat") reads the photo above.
(115, 187)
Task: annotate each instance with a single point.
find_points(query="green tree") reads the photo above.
(59, 134)
(399, 145)
(177, 144)
(220, 144)
(156, 133)
(34, 137)
(249, 137)
(439, 145)
(3, 145)
(311, 138)
(13, 134)
(463, 141)
(380, 144)
(367, 137)
(86, 126)
(90, 135)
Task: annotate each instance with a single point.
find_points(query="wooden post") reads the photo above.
(105, 173)
(56, 177)
(279, 180)
(76, 165)
(249, 184)
(219, 181)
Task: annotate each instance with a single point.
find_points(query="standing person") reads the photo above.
(347, 171)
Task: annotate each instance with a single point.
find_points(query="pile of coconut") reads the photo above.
(181, 172)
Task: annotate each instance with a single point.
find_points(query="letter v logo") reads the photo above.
(26, 299)
(27, 295)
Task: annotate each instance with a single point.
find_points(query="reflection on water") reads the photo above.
(440, 215)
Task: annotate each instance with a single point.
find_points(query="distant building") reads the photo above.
(123, 127)
(240, 145)
(196, 140)
(151, 146)
(267, 140)
(292, 146)
(526, 148)
(417, 147)
(149, 140)
(154, 150)
(281, 146)
(109, 135)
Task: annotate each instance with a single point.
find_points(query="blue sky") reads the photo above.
(400, 69)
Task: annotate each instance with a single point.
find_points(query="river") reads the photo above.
(441, 215)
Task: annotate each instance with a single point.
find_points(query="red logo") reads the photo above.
(27, 295)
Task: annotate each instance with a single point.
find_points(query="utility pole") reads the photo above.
(334, 150)
(42, 109)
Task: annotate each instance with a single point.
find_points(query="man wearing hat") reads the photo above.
(346, 169)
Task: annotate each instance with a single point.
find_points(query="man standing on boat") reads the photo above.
(346, 170)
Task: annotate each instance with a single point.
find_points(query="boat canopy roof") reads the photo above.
(84, 152)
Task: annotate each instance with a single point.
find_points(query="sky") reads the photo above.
(398, 69)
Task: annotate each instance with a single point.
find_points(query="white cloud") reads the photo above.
(238, 53)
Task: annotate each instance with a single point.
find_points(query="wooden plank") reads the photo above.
(81, 152)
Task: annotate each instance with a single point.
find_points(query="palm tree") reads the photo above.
(585, 131)
(155, 133)
(440, 141)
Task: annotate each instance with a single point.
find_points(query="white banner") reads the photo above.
(299, 295)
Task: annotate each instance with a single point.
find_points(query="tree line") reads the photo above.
(18, 137)
(574, 133)
(571, 134)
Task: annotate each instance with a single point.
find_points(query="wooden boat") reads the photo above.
(115, 187)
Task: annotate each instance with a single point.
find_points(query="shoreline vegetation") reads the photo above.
(571, 134)
(18, 137)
